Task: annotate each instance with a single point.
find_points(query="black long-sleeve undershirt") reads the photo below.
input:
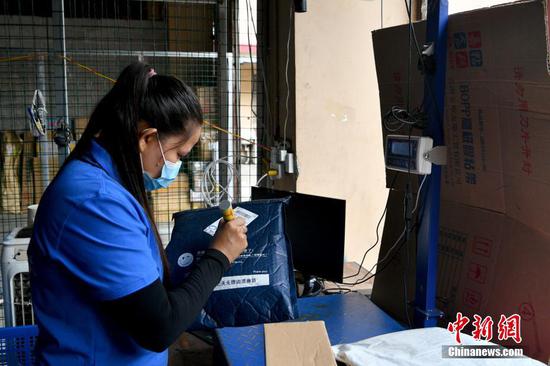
(155, 317)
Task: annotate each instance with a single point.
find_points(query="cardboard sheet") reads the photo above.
(301, 343)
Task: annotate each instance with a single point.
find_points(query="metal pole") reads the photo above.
(61, 105)
(236, 100)
(222, 83)
(426, 314)
(42, 140)
(230, 115)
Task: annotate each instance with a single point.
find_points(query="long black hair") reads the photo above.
(164, 102)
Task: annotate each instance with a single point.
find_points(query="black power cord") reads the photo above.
(392, 184)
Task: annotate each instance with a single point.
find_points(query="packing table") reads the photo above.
(348, 318)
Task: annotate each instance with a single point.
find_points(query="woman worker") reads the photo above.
(98, 269)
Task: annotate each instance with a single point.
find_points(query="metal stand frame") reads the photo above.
(425, 313)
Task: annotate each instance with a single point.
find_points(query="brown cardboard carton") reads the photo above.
(497, 115)
(300, 343)
(488, 264)
(494, 249)
(9, 180)
(492, 265)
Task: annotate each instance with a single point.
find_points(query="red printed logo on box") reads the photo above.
(461, 59)
(526, 311)
(451, 59)
(474, 39)
(482, 246)
(477, 273)
(472, 299)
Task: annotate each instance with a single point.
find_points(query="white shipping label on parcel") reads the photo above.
(233, 282)
(237, 211)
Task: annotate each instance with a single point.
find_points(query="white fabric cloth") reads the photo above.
(421, 347)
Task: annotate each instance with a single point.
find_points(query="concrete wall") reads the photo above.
(338, 128)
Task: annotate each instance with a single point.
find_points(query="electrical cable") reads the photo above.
(261, 179)
(377, 231)
(97, 73)
(250, 55)
(260, 62)
(286, 73)
(397, 118)
(368, 277)
(418, 195)
(212, 190)
(369, 274)
(421, 59)
(340, 290)
(266, 148)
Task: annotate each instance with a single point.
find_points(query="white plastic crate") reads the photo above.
(16, 281)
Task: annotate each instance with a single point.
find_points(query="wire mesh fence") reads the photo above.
(73, 50)
(59, 57)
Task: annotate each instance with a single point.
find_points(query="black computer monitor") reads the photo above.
(316, 228)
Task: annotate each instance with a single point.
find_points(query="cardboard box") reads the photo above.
(488, 264)
(494, 249)
(11, 147)
(298, 343)
(497, 115)
(492, 265)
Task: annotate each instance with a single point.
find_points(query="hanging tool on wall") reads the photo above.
(62, 136)
(37, 113)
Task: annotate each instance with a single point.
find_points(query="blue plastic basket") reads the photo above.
(17, 346)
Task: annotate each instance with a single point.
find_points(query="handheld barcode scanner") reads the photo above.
(227, 210)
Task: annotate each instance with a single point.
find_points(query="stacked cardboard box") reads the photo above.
(494, 236)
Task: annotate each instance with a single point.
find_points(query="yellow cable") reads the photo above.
(87, 68)
(97, 73)
(16, 58)
(236, 135)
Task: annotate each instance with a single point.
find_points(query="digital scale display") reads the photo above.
(409, 153)
(403, 148)
(401, 154)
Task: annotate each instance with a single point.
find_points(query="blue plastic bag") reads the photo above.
(259, 287)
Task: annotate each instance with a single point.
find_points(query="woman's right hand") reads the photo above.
(230, 239)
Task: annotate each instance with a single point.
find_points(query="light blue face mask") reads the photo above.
(169, 173)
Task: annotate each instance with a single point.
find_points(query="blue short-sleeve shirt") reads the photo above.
(92, 242)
